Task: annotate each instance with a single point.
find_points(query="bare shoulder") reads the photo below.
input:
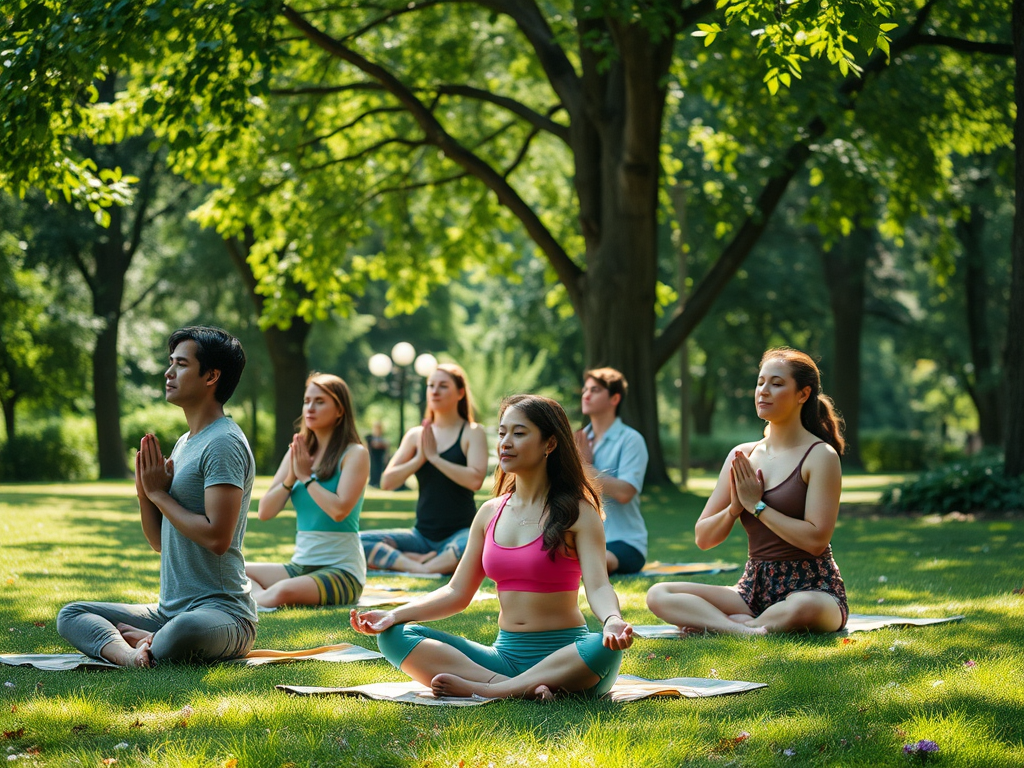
(823, 457)
(476, 431)
(487, 510)
(745, 448)
(588, 516)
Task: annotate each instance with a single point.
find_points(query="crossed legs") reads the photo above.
(454, 666)
(721, 609)
(272, 587)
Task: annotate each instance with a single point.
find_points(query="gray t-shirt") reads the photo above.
(191, 575)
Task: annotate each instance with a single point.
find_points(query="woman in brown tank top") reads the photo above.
(785, 491)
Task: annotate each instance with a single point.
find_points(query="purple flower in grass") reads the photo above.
(923, 749)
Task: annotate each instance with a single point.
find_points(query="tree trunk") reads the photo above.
(9, 423)
(845, 268)
(986, 384)
(107, 295)
(286, 347)
(1014, 369)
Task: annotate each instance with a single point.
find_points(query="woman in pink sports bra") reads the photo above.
(537, 539)
(785, 491)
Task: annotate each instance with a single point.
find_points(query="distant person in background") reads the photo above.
(378, 446)
(615, 457)
(785, 492)
(193, 507)
(447, 476)
(324, 475)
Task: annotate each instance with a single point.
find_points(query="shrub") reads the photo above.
(165, 421)
(972, 485)
(51, 449)
(890, 450)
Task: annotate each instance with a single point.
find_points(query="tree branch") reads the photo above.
(325, 90)
(363, 152)
(539, 121)
(710, 287)
(349, 124)
(567, 270)
(968, 46)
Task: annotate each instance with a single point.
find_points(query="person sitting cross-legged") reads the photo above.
(536, 539)
(193, 509)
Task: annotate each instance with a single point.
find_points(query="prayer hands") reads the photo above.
(302, 462)
(428, 442)
(371, 622)
(583, 446)
(747, 484)
(617, 634)
(153, 473)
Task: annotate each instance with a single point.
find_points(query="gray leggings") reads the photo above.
(203, 635)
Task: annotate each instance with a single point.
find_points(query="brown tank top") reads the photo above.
(790, 498)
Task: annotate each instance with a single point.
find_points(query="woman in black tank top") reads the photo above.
(788, 508)
(448, 455)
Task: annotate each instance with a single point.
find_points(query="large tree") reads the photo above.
(526, 111)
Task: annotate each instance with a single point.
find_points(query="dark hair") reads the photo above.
(569, 484)
(818, 414)
(457, 375)
(216, 349)
(344, 433)
(612, 380)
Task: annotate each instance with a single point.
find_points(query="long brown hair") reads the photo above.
(818, 413)
(344, 432)
(569, 484)
(456, 374)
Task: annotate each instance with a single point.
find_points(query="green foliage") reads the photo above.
(891, 450)
(972, 485)
(51, 449)
(165, 421)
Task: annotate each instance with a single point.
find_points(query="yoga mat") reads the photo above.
(684, 569)
(383, 572)
(627, 688)
(857, 622)
(862, 622)
(58, 662)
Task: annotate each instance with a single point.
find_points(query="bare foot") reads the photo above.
(125, 656)
(133, 635)
(542, 693)
(420, 558)
(445, 684)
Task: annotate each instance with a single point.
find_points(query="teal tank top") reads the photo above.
(310, 517)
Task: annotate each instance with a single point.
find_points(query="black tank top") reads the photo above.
(443, 507)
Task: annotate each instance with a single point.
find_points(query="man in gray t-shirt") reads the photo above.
(193, 507)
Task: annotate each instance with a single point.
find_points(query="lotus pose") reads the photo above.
(447, 479)
(324, 474)
(536, 539)
(192, 507)
(785, 491)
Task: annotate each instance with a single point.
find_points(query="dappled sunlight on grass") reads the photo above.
(830, 700)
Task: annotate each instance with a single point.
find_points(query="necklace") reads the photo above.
(523, 523)
(772, 456)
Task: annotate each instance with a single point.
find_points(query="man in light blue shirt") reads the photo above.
(616, 459)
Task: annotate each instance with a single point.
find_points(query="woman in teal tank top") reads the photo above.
(324, 474)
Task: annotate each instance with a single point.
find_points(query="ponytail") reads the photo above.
(818, 414)
(821, 420)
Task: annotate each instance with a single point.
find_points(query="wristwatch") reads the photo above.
(758, 508)
(314, 479)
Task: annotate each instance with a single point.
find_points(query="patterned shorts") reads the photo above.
(766, 582)
(337, 586)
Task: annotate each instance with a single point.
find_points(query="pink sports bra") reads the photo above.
(527, 568)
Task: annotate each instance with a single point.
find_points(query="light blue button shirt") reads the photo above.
(622, 453)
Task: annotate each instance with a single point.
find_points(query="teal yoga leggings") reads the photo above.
(513, 652)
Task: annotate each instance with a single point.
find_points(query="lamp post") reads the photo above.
(403, 354)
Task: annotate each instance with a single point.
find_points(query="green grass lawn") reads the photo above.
(828, 701)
